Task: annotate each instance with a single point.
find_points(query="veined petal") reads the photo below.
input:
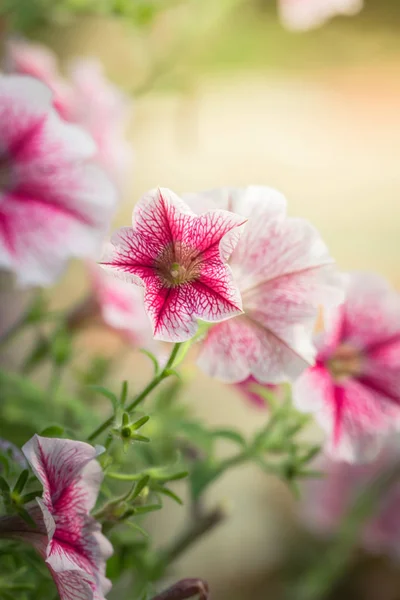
(240, 348)
(215, 233)
(162, 217)
(371, 312)
(247, 202)
(178, 257)
(59, 465)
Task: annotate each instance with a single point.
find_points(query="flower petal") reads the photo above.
(356, 417)
(55, 205)
(59, 465)
(371, 312)
(307, 14)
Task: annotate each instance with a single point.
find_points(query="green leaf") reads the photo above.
(167, 492)
(6, 465)
(4, 487)
(54, 431)
(139, 487)
(21, 481)
(40, 352)
(103, 391)
(135, 437)
(231, 435)
(141, 510)
(139, 423)
(124, 393)
(153, 360)
(31, 496)
(137, 528)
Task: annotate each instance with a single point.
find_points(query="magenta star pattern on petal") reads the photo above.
(68, 538)
(308, 14)
(284, 273)
(354, 387)
(54, 203)
(179, 258)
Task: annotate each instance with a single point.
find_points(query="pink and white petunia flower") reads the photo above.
(86, 98)
(54, 202)
(300, 15)
(354, 387)
(327, 500)
(284, 273)
(180, 260)
(121, 307)
(66, 536)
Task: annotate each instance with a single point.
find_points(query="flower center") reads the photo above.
(346, 362)
(178, 264)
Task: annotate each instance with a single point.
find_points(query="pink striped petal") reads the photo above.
(77, 551)
(371, 312)
(54, 204)
(284, 273)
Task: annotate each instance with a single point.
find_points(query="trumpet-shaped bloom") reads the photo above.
(284, 273)
(180, 260)
(308, 14)
(354, 387)
(326, 500)
(67, 537)
(121, 307)
(86, 98)
(54, 203)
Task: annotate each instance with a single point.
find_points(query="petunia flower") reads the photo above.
(354, 387)
(66, 536)
(85, 98)
(309, 14)
(284, 273)
(327, 500)
(120, 306)
(55, 204)
(180, 260)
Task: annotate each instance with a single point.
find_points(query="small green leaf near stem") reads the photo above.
(157, 379)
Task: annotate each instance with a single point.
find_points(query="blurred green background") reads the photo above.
(223, 95)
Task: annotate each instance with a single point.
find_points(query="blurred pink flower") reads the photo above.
(248, 388)
(55, 204)
(87, 98)
(284, 273)
(67, 537)
(308, 14)
(179, 258)
(354, 387)
(327, 500)
(121, 307)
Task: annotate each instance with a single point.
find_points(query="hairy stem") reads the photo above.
(201, 525)
(140, 397)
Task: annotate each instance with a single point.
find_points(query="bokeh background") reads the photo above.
(222, 94)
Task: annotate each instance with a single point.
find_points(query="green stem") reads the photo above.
(317, 583)
(12, 331)
(195, 530)
(149, 388)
